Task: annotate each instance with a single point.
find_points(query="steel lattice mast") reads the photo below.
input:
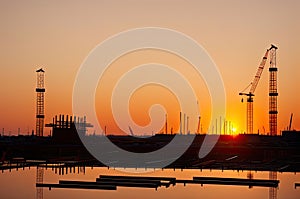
(273, 94)
(40, 91)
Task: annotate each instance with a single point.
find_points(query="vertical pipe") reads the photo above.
(84, 124)
(79, 123)
(63, 121)
(227, 128)
(71, 120)
(198, 127)
(59, 120)
(180, 123)
(184, 123)
(166, 124)
(187, 125)
(224, 127)
(216, 126)
(67, 121)
(220, 125)
(55, 121)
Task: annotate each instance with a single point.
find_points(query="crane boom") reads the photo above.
(259, 72)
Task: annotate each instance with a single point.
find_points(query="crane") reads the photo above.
(250, 94)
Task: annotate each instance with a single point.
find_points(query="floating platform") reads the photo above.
(107, 182)
(161, 181)
(81, 185)
(236, 181)
(113, 183)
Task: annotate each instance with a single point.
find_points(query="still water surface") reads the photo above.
(21, 184)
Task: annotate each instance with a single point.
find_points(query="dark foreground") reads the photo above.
(242, 152)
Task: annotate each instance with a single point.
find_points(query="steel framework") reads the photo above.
(273, 94)
(40, 91)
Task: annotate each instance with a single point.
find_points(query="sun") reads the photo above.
(233, 129)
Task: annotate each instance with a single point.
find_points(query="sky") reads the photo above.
(58, 36)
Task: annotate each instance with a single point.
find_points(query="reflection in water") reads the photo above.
(112, 182)
(39, 179)
(24, 180)
(272, 190)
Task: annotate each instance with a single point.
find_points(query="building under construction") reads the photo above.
(66, 129)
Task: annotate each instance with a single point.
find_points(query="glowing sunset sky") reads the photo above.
(58, 35)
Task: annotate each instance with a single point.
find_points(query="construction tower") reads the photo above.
(40, 91)
(273, 94)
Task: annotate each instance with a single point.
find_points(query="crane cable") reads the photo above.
(246, 87)
(242, 100)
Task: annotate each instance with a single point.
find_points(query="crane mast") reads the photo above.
(40, 95)
(273, 94)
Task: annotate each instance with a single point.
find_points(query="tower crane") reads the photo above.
(250, 94)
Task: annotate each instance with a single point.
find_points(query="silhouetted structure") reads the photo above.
(291, 134)
(65, 129)
(40, 91)
(273, 94)
(107, 182)
(273, 91)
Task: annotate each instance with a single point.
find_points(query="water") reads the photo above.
(21, 184)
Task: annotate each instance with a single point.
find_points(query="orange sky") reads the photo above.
(58, 36)
(148, 95)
